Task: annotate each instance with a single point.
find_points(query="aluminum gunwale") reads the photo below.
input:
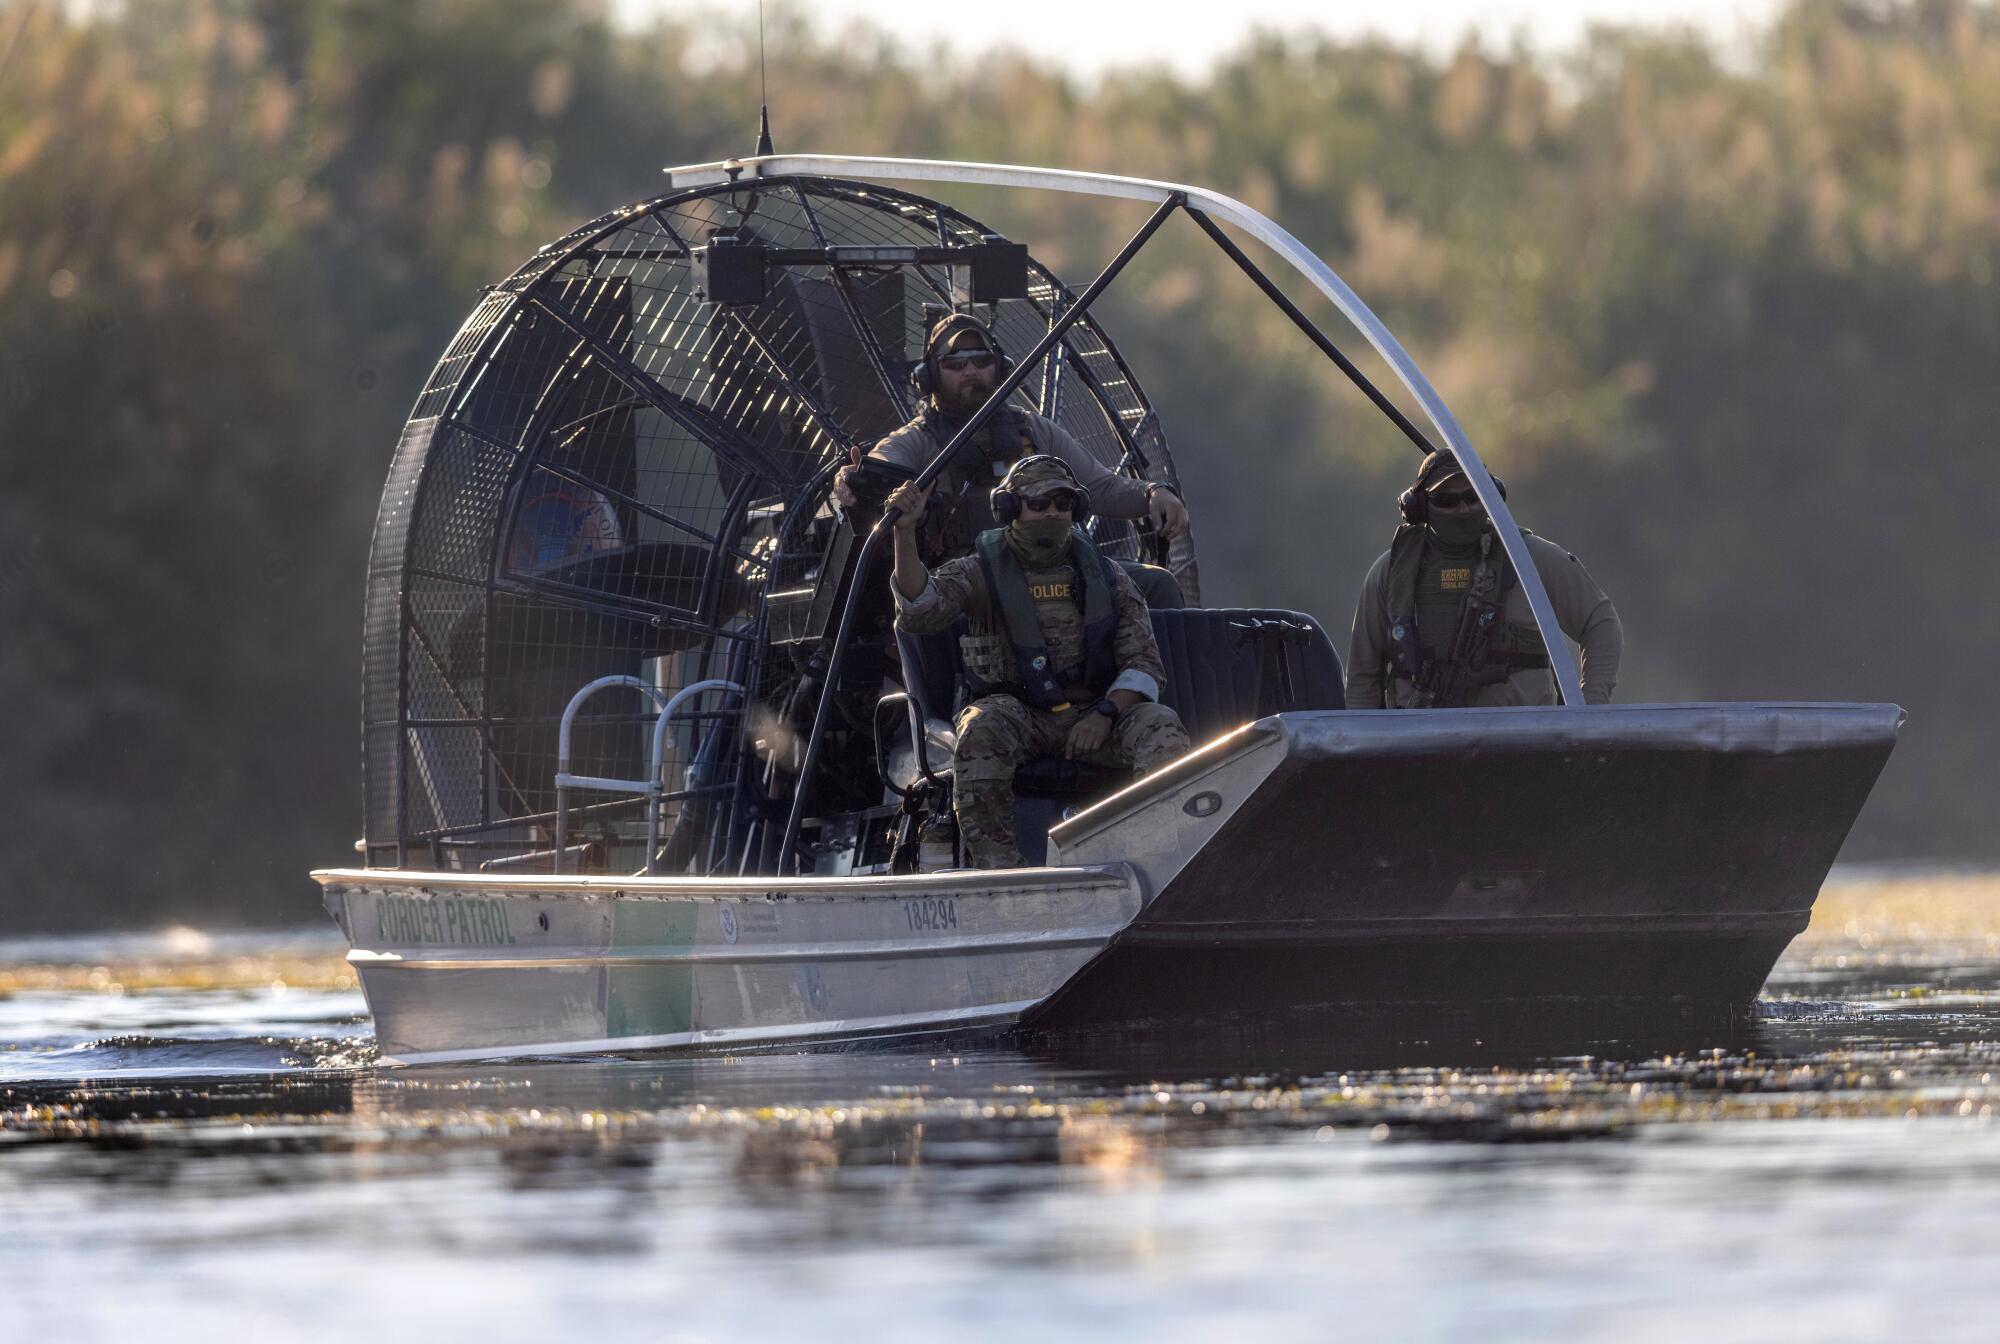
(1267, 231)
(859, 886)
(992, 944)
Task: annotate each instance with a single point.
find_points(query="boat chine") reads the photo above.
(465, 966)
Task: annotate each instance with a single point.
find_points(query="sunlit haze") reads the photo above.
(1088, 38)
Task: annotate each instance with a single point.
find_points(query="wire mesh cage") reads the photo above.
(608, 475)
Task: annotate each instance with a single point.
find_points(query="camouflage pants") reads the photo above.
(999, 732)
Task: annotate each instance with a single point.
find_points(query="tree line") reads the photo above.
(1726, 326)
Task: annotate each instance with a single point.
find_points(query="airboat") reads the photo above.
(644, 762)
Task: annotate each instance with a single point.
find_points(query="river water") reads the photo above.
(196, 1143)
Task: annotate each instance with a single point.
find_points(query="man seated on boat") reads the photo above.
(962, 365)
(1059, 650)
(1442, 621)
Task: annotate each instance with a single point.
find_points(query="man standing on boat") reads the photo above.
(962, 366)
(1059, 650)
(1443, 622)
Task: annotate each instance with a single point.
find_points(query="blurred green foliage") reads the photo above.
(1728, 327)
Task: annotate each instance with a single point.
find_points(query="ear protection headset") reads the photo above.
(1415, 502)
(924, 377)
(1006, 501)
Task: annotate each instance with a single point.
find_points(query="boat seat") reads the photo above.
(1225, 667)
(931, 676)
(930, 670)
(931, 664)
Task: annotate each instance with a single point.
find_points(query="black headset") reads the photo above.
(1006, 501)
(924, 377)
(1415, 502)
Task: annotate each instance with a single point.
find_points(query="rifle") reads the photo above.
(1450, 681)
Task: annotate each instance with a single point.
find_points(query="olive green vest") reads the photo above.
(1041, 683)
(1507, 647)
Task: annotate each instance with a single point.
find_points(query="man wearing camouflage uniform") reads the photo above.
(1059, 649)
(960, 370)
(1443, 622)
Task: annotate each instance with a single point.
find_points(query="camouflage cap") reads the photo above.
(1042, 474)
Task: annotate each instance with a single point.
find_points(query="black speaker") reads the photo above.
(999, 270)
(732, 270)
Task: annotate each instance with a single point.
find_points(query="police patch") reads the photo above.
(1054, 591)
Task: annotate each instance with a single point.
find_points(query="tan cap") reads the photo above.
(959, 331)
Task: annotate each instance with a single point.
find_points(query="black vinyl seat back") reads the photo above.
(1229, 666)
(930, 670)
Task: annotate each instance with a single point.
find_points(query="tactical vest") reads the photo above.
(1035, 680)
(960, 511)
(1499, 651)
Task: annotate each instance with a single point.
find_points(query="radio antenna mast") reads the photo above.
(763, 90)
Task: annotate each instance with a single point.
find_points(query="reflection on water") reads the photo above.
(222, 1148)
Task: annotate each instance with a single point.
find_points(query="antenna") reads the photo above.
(763, 90)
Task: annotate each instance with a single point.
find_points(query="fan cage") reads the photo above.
(606, 475)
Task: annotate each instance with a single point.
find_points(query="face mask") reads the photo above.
(1039, 541)
(1458, 528)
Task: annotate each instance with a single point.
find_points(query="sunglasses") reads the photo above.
(1061, 499)
(1453, 499)
(975, 359)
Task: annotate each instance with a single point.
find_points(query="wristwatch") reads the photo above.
(1107, 707)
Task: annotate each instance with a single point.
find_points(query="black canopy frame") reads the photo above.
(791, 855)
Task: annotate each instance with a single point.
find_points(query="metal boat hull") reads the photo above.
(1645, 855)
(1638, 854)
(462, 966)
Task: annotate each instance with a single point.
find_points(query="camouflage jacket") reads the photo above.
(958, 588)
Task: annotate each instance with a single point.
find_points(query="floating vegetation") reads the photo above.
(262, 971)
(1942, 914)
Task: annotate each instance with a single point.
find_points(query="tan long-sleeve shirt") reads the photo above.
(1111, 495)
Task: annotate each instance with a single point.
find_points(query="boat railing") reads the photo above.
(651, 788)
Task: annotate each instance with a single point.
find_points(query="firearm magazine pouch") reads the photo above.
(985, 657)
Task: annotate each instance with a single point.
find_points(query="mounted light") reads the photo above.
(732, 269)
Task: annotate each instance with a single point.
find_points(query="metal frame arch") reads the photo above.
(1267, 231)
